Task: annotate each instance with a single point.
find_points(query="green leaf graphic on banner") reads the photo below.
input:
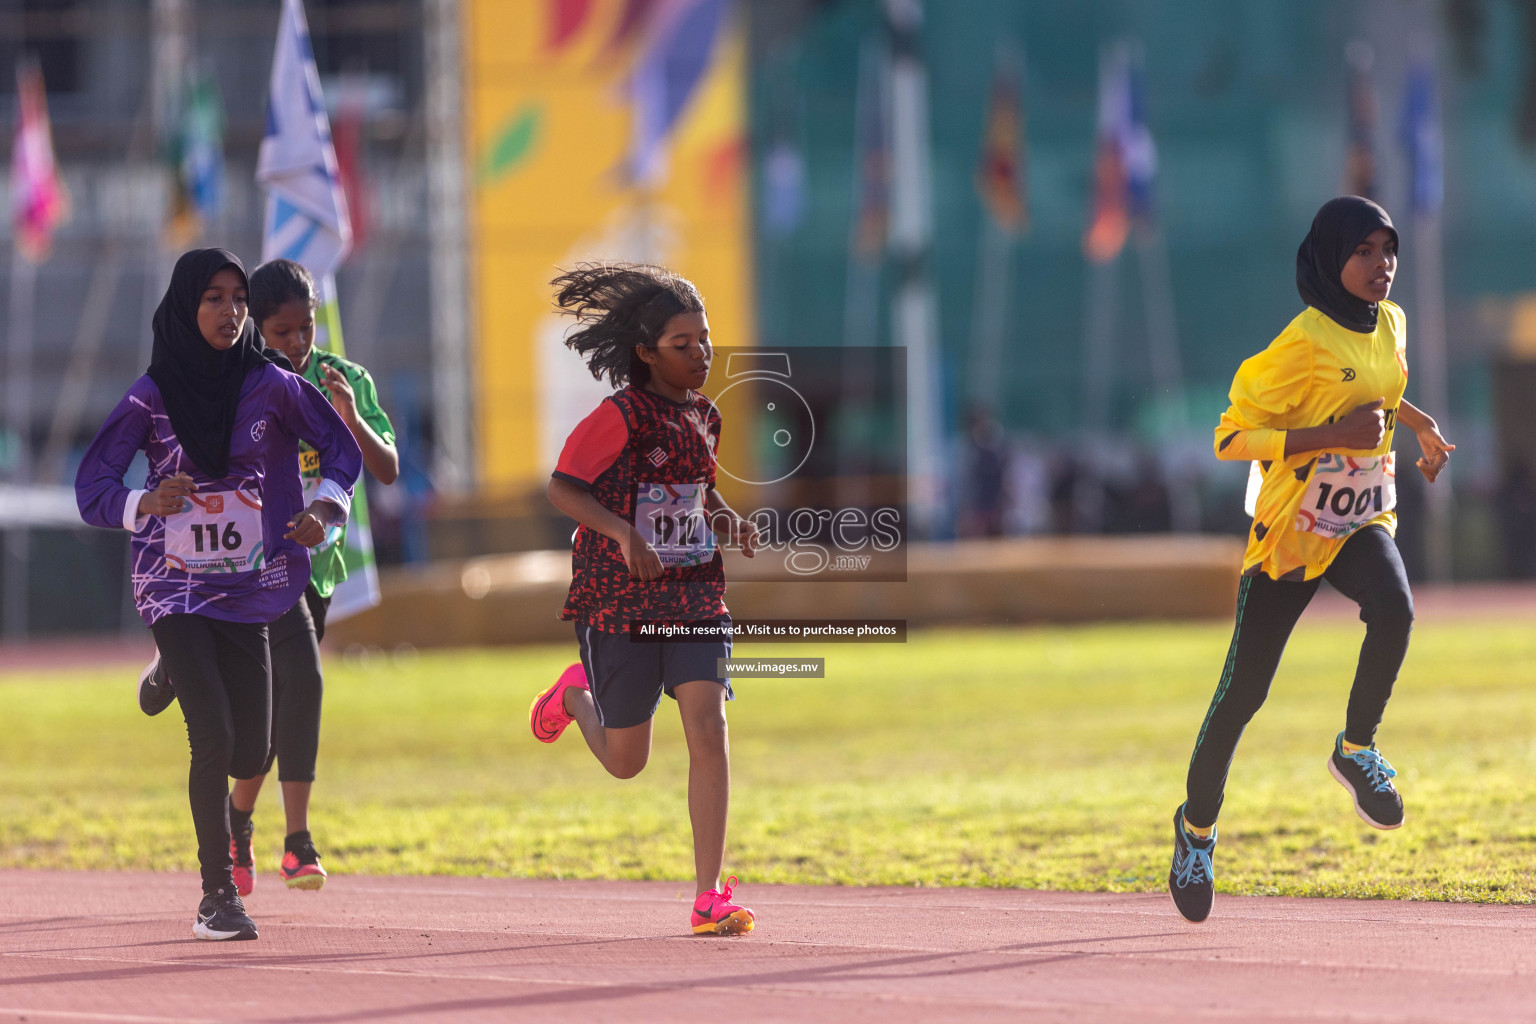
(512, 146)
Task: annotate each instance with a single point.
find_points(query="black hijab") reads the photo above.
(199, 384)
(1340, 225)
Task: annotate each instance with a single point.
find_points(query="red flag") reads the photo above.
(1126, 163)
(1110, 223)
(1000, 177)
(347, 137)
(38, 202)
(872, 142)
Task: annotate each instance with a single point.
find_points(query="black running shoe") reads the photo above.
(1368, 777)
(155, 690)
(221, 916)
(1191, 880)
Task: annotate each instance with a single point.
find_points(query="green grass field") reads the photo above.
(1039, 758)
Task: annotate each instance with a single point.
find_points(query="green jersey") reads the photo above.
(326, 561)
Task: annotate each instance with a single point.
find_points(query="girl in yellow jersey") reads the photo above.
(1317, 410)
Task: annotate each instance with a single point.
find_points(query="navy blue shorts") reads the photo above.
(628, 677)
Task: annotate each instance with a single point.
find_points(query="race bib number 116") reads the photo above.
(219, 531)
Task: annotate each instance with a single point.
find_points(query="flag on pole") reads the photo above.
(196, 153)
(349, 128)
(307, 222)
(306, 218)
(1360, 156)
(1001, 177)
(1125, 167)
(872, 138)
(1422, 139)
(38, 201)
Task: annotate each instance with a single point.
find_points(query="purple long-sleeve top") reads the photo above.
(225, 555)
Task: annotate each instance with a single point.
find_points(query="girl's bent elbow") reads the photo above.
(1228, 448)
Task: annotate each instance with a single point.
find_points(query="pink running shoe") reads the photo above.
(715, 914)
(548, 717)
(245, 867)
(301, 868)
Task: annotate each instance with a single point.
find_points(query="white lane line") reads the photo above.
(1022, 958)
(28, 1013)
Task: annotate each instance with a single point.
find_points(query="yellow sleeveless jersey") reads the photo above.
(1314, 373)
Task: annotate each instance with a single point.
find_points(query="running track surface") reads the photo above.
(118, 948)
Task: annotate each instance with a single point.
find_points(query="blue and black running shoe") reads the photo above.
(1368, 777)
(1191, 880)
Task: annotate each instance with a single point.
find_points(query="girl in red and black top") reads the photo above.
(638, 474)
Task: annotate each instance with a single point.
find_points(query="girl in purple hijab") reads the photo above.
(221, 534)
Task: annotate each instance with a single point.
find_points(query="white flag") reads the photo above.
(306, 208)
(307, 222)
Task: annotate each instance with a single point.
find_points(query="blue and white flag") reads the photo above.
(307, 222)
(307, 217)
(1423, 141)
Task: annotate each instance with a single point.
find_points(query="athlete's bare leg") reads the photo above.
(702, 706)
(623, 752)
(295, 800)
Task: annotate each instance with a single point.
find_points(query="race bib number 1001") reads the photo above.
(672, 520)
(1346, 492)
(219, 531)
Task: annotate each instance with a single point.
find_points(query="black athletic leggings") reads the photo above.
(296, 691)
(1368, 571)
(223, 681)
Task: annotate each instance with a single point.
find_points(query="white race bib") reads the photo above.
(1255, 485)
(219, 531)
(1346, 492)
(672, 520)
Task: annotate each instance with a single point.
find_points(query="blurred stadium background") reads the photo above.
(1076, 218)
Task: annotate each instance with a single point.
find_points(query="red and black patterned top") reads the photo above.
(640, 451)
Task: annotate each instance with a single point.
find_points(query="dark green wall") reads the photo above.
(1247, 107)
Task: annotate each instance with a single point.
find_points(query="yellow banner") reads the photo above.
(549, 119)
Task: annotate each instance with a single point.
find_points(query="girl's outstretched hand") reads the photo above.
(641, 558)
(1437, 451)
